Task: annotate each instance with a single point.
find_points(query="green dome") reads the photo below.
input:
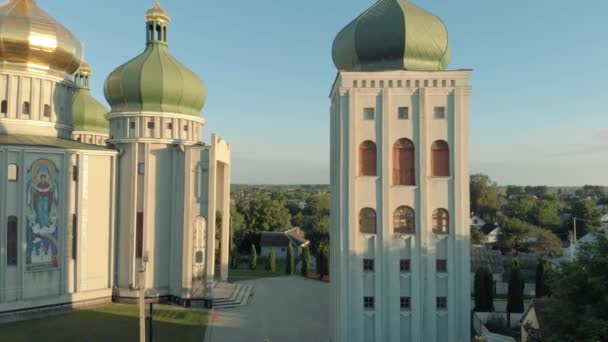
(393, 35)
(155, 81)
(87, 113)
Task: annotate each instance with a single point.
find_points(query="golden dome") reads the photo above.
(31, 38)
(157, 13)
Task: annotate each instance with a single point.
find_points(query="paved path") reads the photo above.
(283, 309)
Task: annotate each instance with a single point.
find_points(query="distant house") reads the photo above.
(279, 241)
(535, 321)
(477, 221)
(586, 239)
(605, 218)
(491, 232)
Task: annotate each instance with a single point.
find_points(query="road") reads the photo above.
(283, 309)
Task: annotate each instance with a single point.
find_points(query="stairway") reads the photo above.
(241, 295)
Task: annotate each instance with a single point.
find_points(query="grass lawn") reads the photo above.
(112, 322)
(244, 273)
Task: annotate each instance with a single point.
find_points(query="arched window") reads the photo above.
(159, 33)
(441, 221)
(440, 152)
(367, 221)
(404, 220)
(13, 172)
(367, 154)
(3, 107)
(404, 162)
(12, 237)
(26, 108)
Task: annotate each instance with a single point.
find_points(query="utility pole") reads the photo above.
(142, 298)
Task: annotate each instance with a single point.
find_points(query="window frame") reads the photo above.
(369, 265)
(405, 303)
(369, 114)
(367, 216)
(442, 303)
(404, 162)
(440, 159)
(405, 265)
(441, 266)
(403, 115)
(368, 159)
(369, 303)
(441, 221)
(404, 220)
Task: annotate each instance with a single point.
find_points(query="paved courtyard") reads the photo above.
(283, 309)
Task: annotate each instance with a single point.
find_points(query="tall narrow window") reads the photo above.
(139, 235)
(74, 236)
(367, 221)
(26, 108)
(404, 162)
(13, 172)
(404, 220)
(440, 151)
(12, 237)
(441, 221)
(75, 173)
(47, 111)
(3, 107)
(367, 154)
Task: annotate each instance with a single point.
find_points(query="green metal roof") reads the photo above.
(393, 35)
(48, 142)
(157, 82)
(88, 114)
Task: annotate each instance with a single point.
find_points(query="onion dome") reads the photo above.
(87, 113)
(30, 38)
(393, 35)
(155, 81)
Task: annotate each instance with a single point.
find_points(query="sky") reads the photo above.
(539, 108)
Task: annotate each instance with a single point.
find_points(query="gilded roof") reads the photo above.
(393, 35)
(33, 39)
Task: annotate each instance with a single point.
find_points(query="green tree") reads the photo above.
(485, 199)
(235, 260)
(477, 236)
(291, 260)
(271, 264)
(484, 290)
(542, 272)
(267, 214)
(578, 306)
(515, 300)
(513, 233)
(538, 191)
(305, 262)
(545, 242)
(514, 190)
(545, 214)
(590, 217)
(254, 258)
(522, 208)
(323, 260)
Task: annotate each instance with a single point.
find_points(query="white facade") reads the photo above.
(352, 96)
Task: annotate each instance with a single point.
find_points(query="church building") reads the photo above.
(399, 181)
(91, 196)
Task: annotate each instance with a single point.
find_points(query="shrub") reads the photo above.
(498, 325)
(271, 265)
(254, 258)
(291, 261)
(305, 261)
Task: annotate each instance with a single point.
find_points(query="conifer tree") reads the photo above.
(271, 264)
(291, 261)
(254, 258)
(305, 262)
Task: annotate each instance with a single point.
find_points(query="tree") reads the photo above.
(538, 191)
(485, 199)
(267, 214)
(235, 260)
(542, 271)
(545, 242)
(484, 290)
(515, 300)
(271, 262)
(522, 208)
(514, 190)
(477, 236)
(589, 215)
(323, 260)
(254, 258)
(578, 307)
(545, 214)
(305, 262)
(291, 261)
(513, 233)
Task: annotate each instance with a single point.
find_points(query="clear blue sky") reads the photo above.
(539, 107)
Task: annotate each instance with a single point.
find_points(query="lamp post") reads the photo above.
(142, 298)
